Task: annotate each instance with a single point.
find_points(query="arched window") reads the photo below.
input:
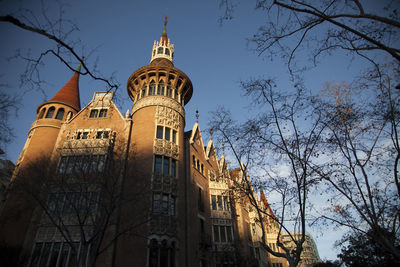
(60, 114)
(50, 112)
(160, 50)
(154, 52)
(160, 88)
(143, 91)
(42, 113)
(167, 51)
(152, 88)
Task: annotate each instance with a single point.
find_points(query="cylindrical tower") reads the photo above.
(159, 92)
(51, 114)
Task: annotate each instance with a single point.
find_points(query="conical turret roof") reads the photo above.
(69, 94)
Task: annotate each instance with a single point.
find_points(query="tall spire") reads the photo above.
(69, 94)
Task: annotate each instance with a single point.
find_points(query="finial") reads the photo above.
(197, 115)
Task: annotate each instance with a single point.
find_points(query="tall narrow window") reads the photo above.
(160, 89)
(159, 133)
(174, 136)
(60, 114)
(214, 202)
(158, 164)
(160, 50)
(219, 203)
(167, 51)
(42, 113)
(216, 233)
(50, 113)
(156, 202)
(143, 91)
(166, 166)
(152, 89)
(167, 133)
(103, 113)
(194, 162)
(173, 168)
(169, 91)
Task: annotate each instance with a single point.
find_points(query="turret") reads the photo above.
(50, 116)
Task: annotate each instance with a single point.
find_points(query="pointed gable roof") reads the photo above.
(69, 94)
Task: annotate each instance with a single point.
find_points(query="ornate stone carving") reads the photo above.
(159, 101)
(168, 117)
(166, 148)
(160, 224)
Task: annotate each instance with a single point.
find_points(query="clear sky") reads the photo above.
(215, 57)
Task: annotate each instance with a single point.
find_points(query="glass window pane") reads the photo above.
(50, 113)
(166, 166)
(219, 202)
(167, 133)
(214, 202)
(157, 164)
(159, 133)
(216, 233)
(101, 163)
(173, 168)
(45, 254)
(223, 234)
(229, 233)
(103, 113)
(174, 136)
(93, 113)
(60, 114)
(156, 203)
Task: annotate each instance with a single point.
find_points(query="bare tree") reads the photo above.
(277, 148)
(78, 200)
(317, 27)
(361, 157)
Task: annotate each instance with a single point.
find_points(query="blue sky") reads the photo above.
(215, 57)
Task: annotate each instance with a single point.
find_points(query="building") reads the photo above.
(309, 255)
(95, 186)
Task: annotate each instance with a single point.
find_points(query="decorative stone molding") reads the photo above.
(99, 146)
(166, 148)
(160, 224)
(165, 183)
(158, 101)
(168, 117)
